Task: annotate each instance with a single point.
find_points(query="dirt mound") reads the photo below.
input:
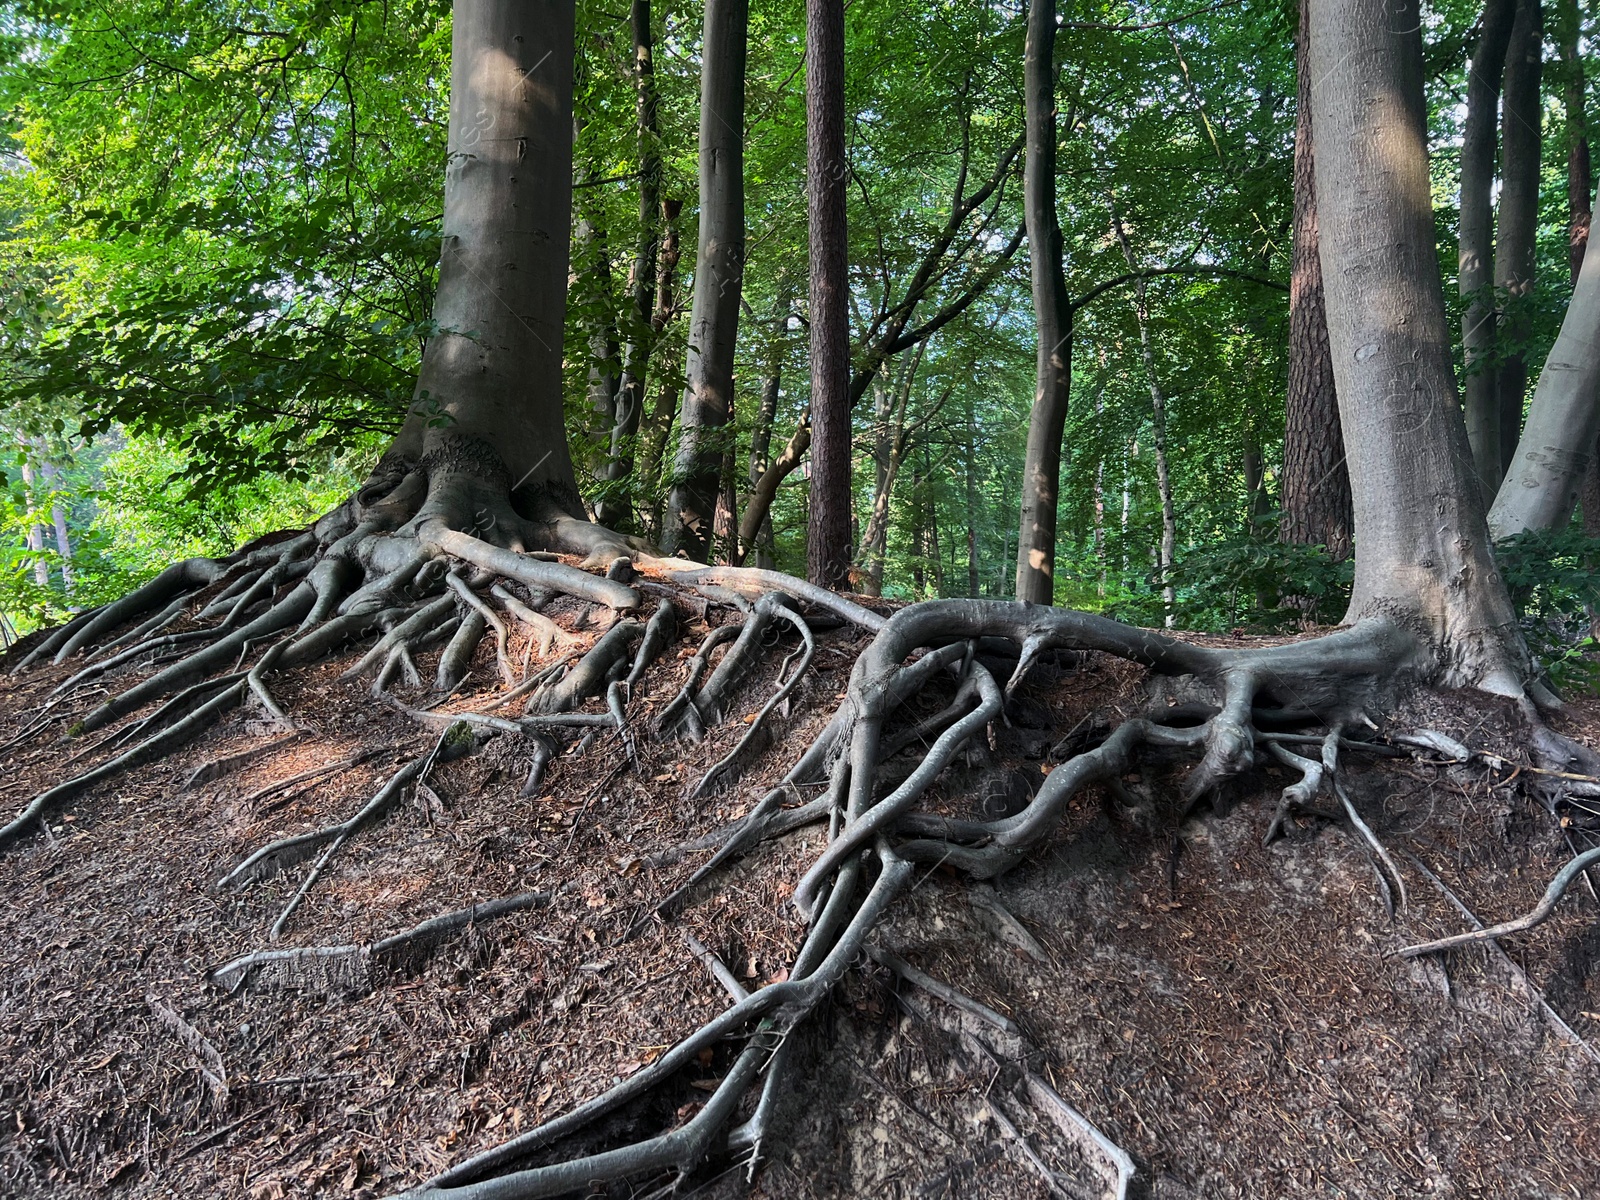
(1224, 1012)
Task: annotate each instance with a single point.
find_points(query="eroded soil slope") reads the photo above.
(1227, 1013)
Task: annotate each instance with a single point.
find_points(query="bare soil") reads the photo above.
(1228, 1014)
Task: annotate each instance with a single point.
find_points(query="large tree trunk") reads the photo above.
(1041, 469)
(827, 176)
(642, 329)
(1423, 549)
(1315, 484)
(1475, 270)
(718, 278)
(488, 411)
(1522, 119)
(1580, 209)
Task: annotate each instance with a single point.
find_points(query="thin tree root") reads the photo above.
(1577, 1040)
(544, 629)
(149, 750)
(784, 690)
(353, 968)
(478, 605)
(589, 676)
(286, 852)
(1534, 916)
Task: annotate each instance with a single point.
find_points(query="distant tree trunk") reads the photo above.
(889, 444)
(653, 431)
(1041, 470)
(972, 500)
(760, 541)
(599, 303)
(1167, 551)
(58, 517)
(1542, 484)
(35, 535)
(718, 277)
(827, 176)
(642, 276)
(1521, 142)
(1475, 270)
(1314, 491)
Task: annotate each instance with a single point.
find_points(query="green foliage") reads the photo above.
(1554, 579)
(1262, 585)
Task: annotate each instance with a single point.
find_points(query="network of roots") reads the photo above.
(219, 632)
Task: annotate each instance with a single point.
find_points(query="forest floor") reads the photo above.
(1227, 1013)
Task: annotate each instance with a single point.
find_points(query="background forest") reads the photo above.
(219, 236)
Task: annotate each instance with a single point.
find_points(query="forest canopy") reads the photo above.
(220, 248)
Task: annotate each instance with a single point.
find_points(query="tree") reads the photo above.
(718, 280)
(1041, 471)
(481, 474)
(827, 176)
(1316, 480)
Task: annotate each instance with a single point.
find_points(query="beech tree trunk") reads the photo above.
(1041, 470)
(58, 519)
(1315, 484)
(1521, 142)
(827, 176)
(718, 278)
(1580, 209)
(35, 535)
(1167, 550)
(642, 283)
(1423, 550)
(1475, 258)
(488, 415)
(1555, 451)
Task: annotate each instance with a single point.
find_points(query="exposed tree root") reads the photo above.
(352, 968)
(393, 570)
(1537, 915)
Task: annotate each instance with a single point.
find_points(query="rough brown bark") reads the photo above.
(718, 279)
(1041, 471)
(827, 175)
(1315, 484)
(642, 328)
(1424, 553)
(1521, 143)
(1475, 270)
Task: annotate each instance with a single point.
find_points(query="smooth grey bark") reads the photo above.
(1168, 548)
(642, 329)
(1041, 471)
(1423, 554)
(603, 347)
(718, 279)
(58, 519)
(35, 534)
(1555, 451)
(488, 410)
(827, 176)
(1521, 145)
(1475, 256)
